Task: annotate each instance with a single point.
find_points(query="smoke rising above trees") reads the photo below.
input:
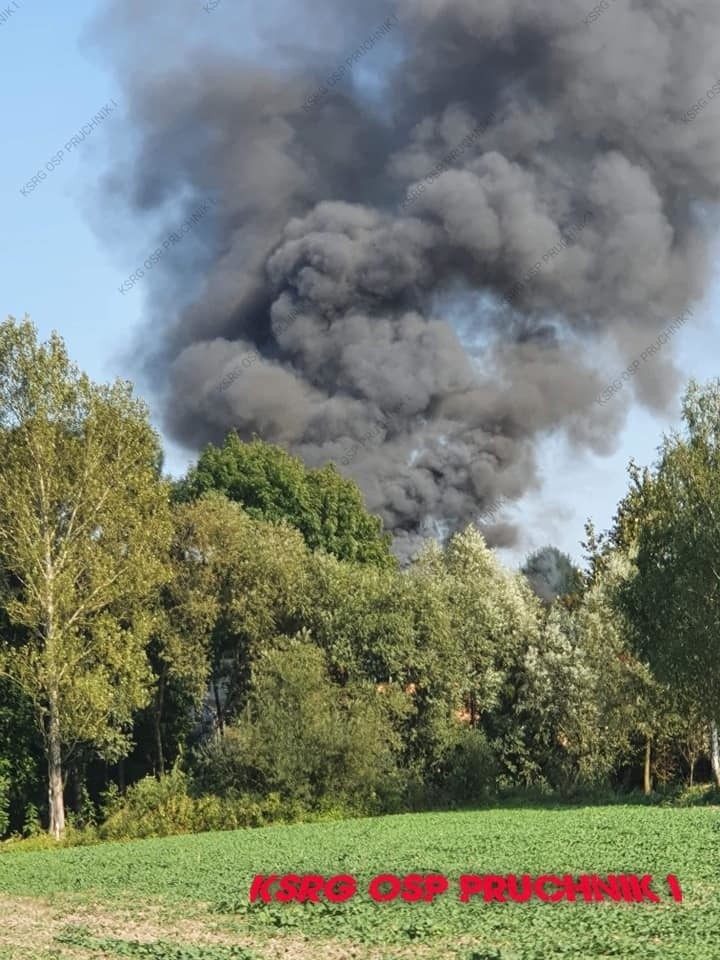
(580, 121)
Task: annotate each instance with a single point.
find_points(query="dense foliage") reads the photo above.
(272, 485)
(245, 636)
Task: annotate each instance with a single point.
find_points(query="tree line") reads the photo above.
(241, 644)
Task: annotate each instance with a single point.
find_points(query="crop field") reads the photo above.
(188, 897)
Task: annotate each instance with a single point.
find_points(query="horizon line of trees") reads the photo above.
(249, 626)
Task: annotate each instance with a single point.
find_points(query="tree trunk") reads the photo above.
(715, 751)
(647, 783)
(692, 771)
(78, 782)
(218, 707)
(55, 779)
(56, 800)
(159, 754)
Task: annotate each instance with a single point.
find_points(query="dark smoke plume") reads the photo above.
(436, 246)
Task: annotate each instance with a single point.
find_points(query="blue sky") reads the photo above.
(55, 268)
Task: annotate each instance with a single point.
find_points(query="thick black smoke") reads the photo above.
(433, 221)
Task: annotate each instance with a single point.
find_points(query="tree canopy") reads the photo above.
(673, 597)
(242, 643)
(271, 484)
(84, 523)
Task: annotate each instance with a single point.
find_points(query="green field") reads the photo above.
(187, 897)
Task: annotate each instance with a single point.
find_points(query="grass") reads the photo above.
(187, 897)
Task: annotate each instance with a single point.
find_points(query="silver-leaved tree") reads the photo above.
(84, 532)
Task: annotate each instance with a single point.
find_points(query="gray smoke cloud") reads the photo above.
(446, 242)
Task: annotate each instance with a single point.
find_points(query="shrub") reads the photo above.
(152, 808)
(221, 765)
(21, 777)
(701, 794)
(471, 769)
(161, 808)
(32, 825)
(306, 738)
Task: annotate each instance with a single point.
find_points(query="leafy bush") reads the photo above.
(86, 814)
(220, 766)
(41, 840)
(21, 779)
(699, 795)
(111, 800)
(307, 738)
(471, 769)
(32, 825)
(161, 808)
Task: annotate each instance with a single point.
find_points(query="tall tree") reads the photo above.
(673, 601)
(84, 528)
(238, 584)
(495, 615)
(270, 484)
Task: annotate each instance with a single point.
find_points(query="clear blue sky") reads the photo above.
(55, 268)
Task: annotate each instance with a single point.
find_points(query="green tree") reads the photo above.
(666, 718)
(391, 629)
(306, 737)
(238, 584)
(473, 619)
(673, 599)
(495, 616)
(576, 705)
(270, 484)
(180, 664)
(21, 753)
(84, 527)
(362, 618)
